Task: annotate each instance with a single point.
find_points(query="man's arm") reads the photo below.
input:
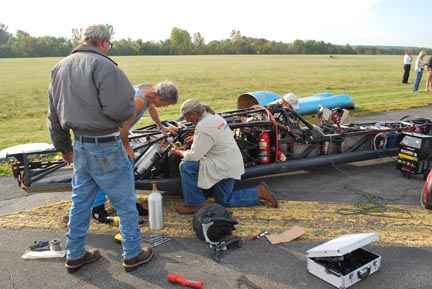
(117, 96)
(154, 114)
(124, 130)
(201, 145)
(61, 138)
(155, 117)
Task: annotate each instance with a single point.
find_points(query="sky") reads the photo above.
(340, 22)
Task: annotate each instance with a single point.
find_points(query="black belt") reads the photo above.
(96, 139)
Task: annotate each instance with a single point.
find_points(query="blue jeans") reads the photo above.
(105, 166)
(417, 80)
(223, 190)
(100, 198)
(101, 195)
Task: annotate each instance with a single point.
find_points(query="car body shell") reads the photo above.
(293, 144)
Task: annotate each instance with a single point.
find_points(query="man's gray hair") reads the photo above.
(168, 91)
(194, 105)
(95, 34)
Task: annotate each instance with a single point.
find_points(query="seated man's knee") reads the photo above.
(188, 166)
(183, 166)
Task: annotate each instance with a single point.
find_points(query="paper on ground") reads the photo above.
(29, 254)
(286, 236)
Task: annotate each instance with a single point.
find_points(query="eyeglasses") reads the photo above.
(110, 45)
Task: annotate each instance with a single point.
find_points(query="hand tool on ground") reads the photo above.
(260, 235)
(115, 220)
(117, 238)
(45, 249)
(39, 244)
(53, 245)
(177, 279)
(156, 240)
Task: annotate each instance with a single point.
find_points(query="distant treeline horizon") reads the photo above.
(22, 45)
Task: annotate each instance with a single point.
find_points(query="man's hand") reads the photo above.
(68, 157)
(177, 151)
(189, 140)
(169, 130)
(130, 152)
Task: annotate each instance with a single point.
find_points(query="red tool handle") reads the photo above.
(175, 278)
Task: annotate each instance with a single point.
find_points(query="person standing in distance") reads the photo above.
(429, 75)
(407, 66)
(419, 67)
(92, 97)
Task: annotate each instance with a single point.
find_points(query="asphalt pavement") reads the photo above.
(268, 266)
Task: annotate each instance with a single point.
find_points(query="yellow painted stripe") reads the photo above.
(409, 226)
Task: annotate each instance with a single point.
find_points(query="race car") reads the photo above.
(272, 139)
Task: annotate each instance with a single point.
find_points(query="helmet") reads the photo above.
(223, 222)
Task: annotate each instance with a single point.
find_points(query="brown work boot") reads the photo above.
(74, 265)
(265, 194)
(187, 210)
(143, 257)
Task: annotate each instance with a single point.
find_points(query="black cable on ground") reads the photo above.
(371, 204)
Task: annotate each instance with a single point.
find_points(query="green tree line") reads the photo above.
(22, 44)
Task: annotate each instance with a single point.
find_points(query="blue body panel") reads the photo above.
(249, 99)
(308, 104)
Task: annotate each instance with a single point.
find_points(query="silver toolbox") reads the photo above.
(342, 261)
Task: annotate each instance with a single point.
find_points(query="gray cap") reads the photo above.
(188, 106)
(292, 99)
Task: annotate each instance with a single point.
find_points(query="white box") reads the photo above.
(342, 262)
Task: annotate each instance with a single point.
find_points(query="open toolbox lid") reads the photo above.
(342, 245)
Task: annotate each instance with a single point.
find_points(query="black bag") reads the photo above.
(223, 222)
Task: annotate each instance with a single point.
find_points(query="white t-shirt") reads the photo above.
(407, 59)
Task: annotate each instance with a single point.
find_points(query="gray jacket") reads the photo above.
(89, 95)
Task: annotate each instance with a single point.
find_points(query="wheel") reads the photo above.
(427, 193)
(425, 174)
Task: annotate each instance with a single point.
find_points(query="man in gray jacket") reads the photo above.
(90, 96)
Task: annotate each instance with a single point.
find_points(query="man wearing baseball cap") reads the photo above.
(289, 100)
(213, 161)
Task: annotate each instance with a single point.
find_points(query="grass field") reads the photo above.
(374, 82)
